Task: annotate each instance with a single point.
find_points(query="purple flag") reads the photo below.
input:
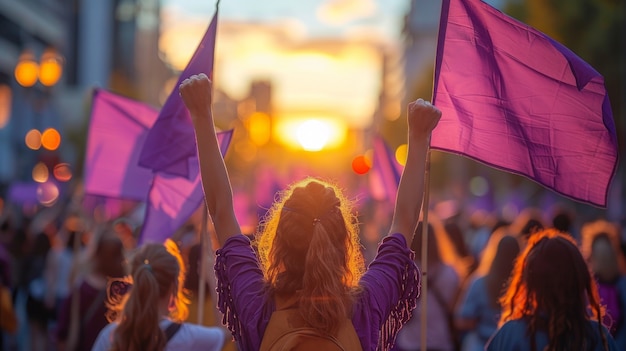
(173, 199)
(117, 132)
(171, 142)
(103, 208)
(517, 100)
(384, 176)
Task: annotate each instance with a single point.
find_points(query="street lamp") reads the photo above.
(27, 69)
(48, 70)
(50, 67)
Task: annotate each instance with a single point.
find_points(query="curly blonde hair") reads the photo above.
(309, 247)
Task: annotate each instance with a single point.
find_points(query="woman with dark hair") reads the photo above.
(82, 314)
(310, 260)
(149, 316)
(552, 301)
(479, 310)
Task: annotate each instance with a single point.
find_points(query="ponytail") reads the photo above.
(157, 274)
(139, 328)
(324, 299)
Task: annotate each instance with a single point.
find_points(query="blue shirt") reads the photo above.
(476, 306)
(512, 337)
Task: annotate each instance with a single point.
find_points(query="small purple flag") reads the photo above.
(173, 199)
(384, 177)
(117, 132)
(515, 99)
(171, 142)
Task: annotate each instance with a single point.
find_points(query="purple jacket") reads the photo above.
(390, 288)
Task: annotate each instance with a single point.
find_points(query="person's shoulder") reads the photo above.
(477, 282)
(508, 336)
(609, 339)
(202, 335)
(103, 341)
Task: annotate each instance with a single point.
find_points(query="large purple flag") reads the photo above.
(517, 100)
(117, 132)
(171, 141)
(173, 199)
(384, 177)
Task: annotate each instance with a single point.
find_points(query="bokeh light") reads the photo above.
(41, 173)
(359, 165)
(62, 172)
(479, 186)
(369, 157)
(33, 139)
(51, 139)
(27, 69)
(259, 125)
(401, 153)
(50, 68)
(5, 104)
(47, 194)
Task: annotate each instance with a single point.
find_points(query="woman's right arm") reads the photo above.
(422, 119)
(196, 92)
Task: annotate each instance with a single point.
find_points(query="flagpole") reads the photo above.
(204, 234)
(424, 261)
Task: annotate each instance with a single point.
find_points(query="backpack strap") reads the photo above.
(171, 330)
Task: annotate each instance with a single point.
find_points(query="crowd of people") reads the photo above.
(304, 282)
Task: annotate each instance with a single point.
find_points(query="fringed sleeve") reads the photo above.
(390, 288)
(240, 290)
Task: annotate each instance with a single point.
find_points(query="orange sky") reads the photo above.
(333, 77)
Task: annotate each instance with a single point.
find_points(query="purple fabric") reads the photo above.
(107, 207)
(515, 99)
(89, 329)
(173, 199)
(23, 193)
(385, 174)
(171, 142)
(609, 295)
(389, 292)
(117, 131)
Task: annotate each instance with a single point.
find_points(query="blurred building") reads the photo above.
(106, 43)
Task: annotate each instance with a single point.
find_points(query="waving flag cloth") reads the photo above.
(171, 142)
(117, 131)
(173, 199)
(385, 174)
(517, 100)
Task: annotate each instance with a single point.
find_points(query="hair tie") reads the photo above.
(146, 263)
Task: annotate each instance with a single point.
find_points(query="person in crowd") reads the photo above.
(59, 265)
(551, 302)
(601, 248)
(192, 287)
(529, 221)
(479, 311)
(82, 314)
(150, 315)
(35, 284)
(308, 246)
(443, 284)
(467, 262)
